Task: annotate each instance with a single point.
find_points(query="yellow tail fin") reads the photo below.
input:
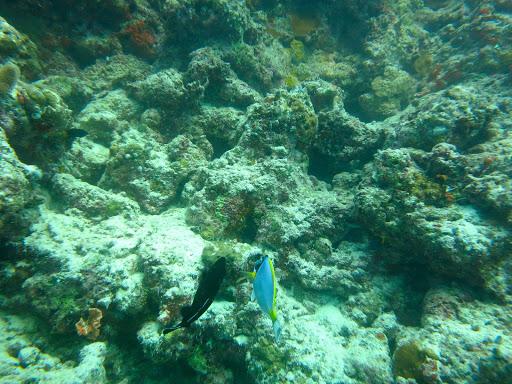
(247, 275)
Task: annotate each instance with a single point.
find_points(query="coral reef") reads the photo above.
(457, 115)
(91, 327)
(150, 173)
(18, 191)
(164, 89)
(364, 146)
(390, 94)
(343, 142)
(24, 361)
(193, 22)
(9, 75)
(399, 198)
(456, 328)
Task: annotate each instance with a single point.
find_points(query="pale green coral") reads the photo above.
(390, 93)
(233, 252)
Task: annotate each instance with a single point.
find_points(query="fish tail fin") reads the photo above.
(247, 275)
(277, 330)
(169, 330)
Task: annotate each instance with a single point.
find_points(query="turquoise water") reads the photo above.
(364, 147)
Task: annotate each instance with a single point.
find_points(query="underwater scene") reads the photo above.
(258, 191)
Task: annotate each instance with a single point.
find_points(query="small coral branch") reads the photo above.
(91, 327)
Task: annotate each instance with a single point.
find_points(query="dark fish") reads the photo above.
(75, 133)
(209, 285)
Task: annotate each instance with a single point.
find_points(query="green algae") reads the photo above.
(298, 51)
(291, 81)
(157, 186)
(426, 190)
(184, 163)
(198, 361)
(114, 208)
(423, 64)
(275, 358)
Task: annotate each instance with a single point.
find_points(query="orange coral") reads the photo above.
(91, 327)
(449, 197)
(141, 38)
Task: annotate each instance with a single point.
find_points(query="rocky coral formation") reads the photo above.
(390, 94)
(191, 23)
(164, 135)
(454, 239)
(18, 191)
(36, 123)
(22, 360)
(458, 115)
(343, 142)
(456, 328)
(151, 174)
(9, 75)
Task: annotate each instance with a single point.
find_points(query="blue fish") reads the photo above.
(264, 284)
